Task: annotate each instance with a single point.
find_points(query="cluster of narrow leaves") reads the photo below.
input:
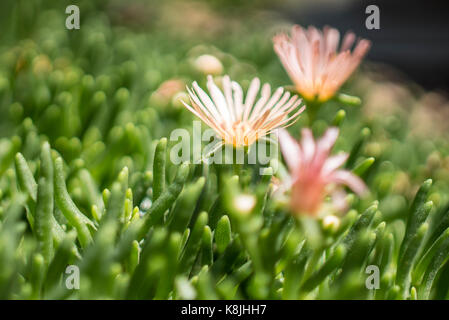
(85, 183)
(185, 244)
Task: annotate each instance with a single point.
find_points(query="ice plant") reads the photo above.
(72, 213)
(239, 122)
(313, 61)
(314, 173)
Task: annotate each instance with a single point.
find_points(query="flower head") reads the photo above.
(239, 122)
(313, 61)
(315, 173)
(170, 87)
(167, 90)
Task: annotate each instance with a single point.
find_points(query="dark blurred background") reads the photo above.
(413, 35)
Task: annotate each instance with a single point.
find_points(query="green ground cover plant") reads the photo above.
(86, 178)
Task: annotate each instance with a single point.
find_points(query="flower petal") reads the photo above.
(349, 179)
(290, 150)
(308, 145)
(334, 162)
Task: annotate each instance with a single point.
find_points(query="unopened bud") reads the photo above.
(331, 222)
(208, 64)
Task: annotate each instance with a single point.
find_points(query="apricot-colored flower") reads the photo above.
(313, 61)
(239, 122)
(168, 89)
(314, 173)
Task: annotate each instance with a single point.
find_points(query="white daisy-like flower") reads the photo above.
(239, 121)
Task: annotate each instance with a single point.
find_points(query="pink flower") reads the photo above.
(314, 173)
(313, 61)
(242, 122)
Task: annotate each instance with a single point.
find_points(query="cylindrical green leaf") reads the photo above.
(78, 220)
(160, 157)
(223, 234)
